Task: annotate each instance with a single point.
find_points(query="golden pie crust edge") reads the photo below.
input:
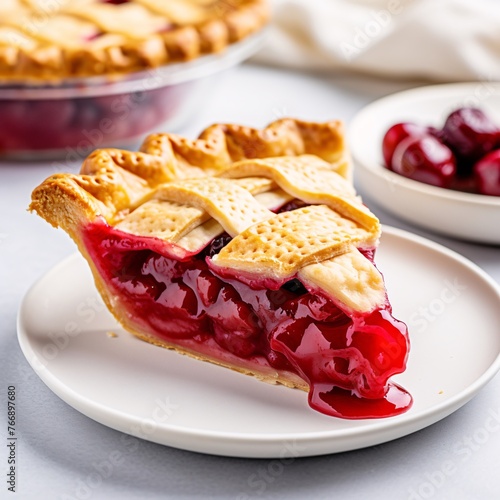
(50, 62)
(113, 180)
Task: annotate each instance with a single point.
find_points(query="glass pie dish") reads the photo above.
(69, 119)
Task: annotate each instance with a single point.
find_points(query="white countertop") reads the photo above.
(59, 448)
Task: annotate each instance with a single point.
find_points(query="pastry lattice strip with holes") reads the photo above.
(276, 247)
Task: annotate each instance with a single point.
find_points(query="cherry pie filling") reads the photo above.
(79, 125)
(345, 359)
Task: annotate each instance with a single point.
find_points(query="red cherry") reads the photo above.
(471, 134)
(425, 159)
(487, 174)
(292, 205)
(278, 360)
(218, 244)
(436, 132)
(235, 341)
(395, 135)
(208, 287)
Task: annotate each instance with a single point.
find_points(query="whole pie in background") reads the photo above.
(246, 248)
(108, 73)
(42, 40)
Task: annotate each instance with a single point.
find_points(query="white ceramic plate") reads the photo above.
(450, 305)
(463, 215)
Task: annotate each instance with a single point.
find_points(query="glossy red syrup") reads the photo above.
(346, 361)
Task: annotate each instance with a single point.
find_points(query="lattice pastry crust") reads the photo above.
(53, 40)
(184, 193)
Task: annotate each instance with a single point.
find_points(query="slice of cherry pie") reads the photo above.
(247, 248)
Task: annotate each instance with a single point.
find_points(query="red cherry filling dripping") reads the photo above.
(345, 361)
(343, 403)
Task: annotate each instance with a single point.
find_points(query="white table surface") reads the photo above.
(58, 448)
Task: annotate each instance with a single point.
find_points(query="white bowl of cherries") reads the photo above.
(432, 157)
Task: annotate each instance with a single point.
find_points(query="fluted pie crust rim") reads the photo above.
(28, 53)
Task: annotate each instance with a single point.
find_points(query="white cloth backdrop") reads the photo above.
(442, 40)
